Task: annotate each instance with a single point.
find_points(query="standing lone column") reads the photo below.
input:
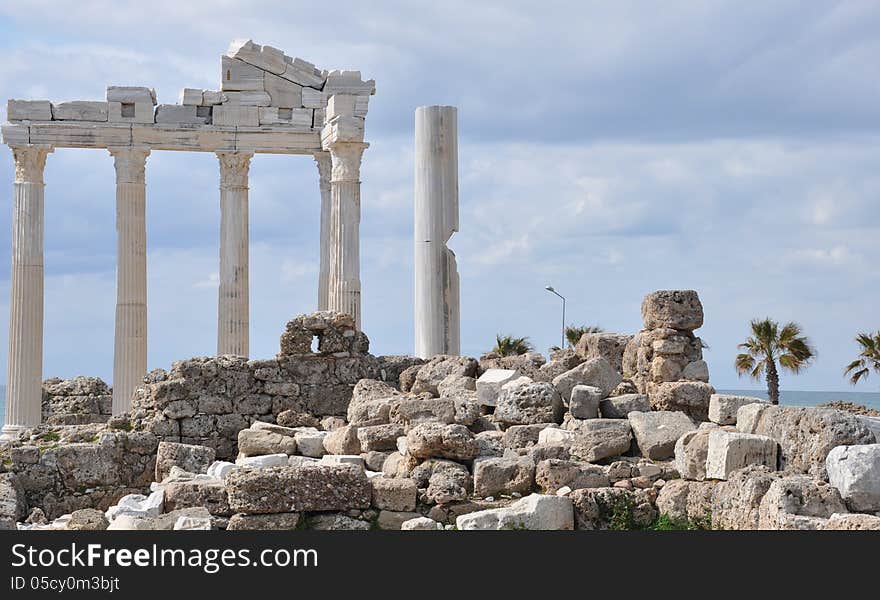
(437, 310)
(324, 165)
(24, 370)
(344, 281)
(233, 305)
(130, 343)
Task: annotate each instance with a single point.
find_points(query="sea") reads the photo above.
(786, 397)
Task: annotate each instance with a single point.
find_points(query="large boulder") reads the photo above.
(857, 522)
(553, 473)
(371, 402)
(438, 368)
(675, 309)
(584, 402)
(656, 432)
(189, 457)
(806, 435)
(729, 451)
(687, 500)
(424, 409)
(618, 407)
(205, 492)
(609, 346)
(444, 481)
(379, 437)
(503, 476)
(490, 383)
(855, 472)
(342, 441)
(598, 439)
(87, 519)
(798, 502)
(612, 508)
(394, 493)
(596, 372)
(297, 489)
(723, 407)
(535, 512)
(257, 442)
(736, 502)
(691, 452)
(433, 440)
(524, 402)
(689, 397)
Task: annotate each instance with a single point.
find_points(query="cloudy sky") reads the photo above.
(610, 149)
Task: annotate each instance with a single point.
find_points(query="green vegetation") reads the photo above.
(868, 360)
(573, 334)
(507, 345)
(769, 344)
(50, 436)
(667, 523)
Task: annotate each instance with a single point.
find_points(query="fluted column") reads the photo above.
(24, 369)
(437, 312)
(324, 165)
(233, 306)
(344, 281)
(130, 341)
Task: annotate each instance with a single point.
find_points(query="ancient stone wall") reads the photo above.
(76, 401)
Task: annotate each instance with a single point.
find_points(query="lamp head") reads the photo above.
(549, 288)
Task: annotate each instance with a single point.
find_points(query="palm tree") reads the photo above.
(869, 358)
(573, 333)
(768, 344)
(507, 345)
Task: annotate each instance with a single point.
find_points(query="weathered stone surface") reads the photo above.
(490, 383)
(528, 403)
(371, 402)
(444, 481)
(656, 432)
(689, 397)
(687, 500)
(13, 504)
(190, 458)
(398, 494)
(584, 402)
(393, 520)
(297, 489)
(522, 436)
(201, 492)
(438, 368)
(729, 451)
(723, 407)
(596, 372)
(80, 110)
(421, 524)
(503, 476)
(691, 452)
(618, 407)
(28, 110)
(255, 442)
(697, 370)
(612, 508)
(379, 437)
(343, 441)
(429, 440)
(553, 474)
(491, 443)
(807, 435)
(336, 522)
(424, 409)
(311, 443)
(598, 439)
(272, 522)
(453, 383)
(535, 512)
(260, 462)
(798, 502)
(391, 367)
(609, 346)
(855, 472)
(839, 521)
(735, 502)
(87, 519)
(675, 309)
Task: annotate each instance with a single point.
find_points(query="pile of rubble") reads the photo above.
(457, 443)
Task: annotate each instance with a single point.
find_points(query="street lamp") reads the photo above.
(550, 289)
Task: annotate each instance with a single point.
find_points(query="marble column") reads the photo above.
(437, 309)
(233, 306)
(24, 370)
(344, 277)
(324, 166)
(130, 342)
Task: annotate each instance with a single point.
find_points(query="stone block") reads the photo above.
(304, 73)
(691, 451)
(747, 416)
(433, 440)
(656, 432)
(231, 115)
(723, 407)
(421, 524)
(524, 402)
(212, 97)
(80, 110)
(584, 402)
(393, 520)
(535, 512)
(133, 112)
(295, 117)
(198, 493)
(342, 441)
(190, 458)
(348, 82)
(255, 442)
(273, 522)
(855, 472)
(312, 98)
(237, 75)
(246, 98)
(191, 96)
(379, 437)
(618, 407)
(283, 93)
(178, 114)
(297, 489)
(397, 494)
(131, 94)
(689, 397)
(729, 451)
(261, 462)
(311, 443)
(29, 110)
(343, 459)
(494, 476)
(598, 439)
(264, 57)
(673, 309)
(596, 372)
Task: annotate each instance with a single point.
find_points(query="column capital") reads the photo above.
(346, 160)
(30, 161)
(322, 159)
(130, 163)
(234, 168)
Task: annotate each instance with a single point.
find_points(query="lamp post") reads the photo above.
(550, 289)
